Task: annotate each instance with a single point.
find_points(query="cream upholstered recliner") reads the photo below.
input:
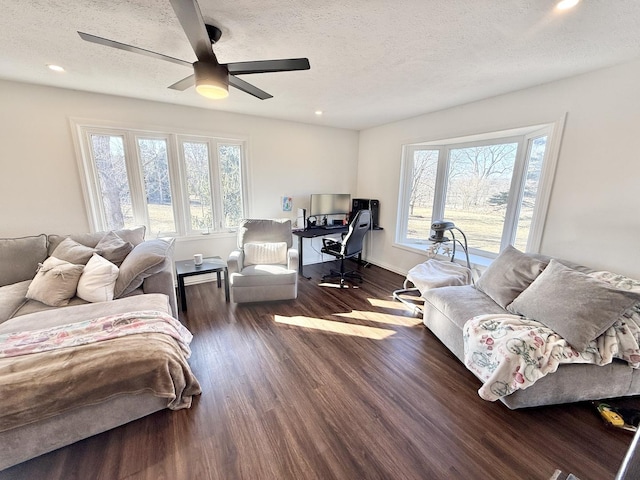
(264, 267)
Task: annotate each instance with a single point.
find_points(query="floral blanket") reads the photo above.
(509, 352)
(95, 330)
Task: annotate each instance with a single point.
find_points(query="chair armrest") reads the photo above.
(292, 259)
(235, 263)
(327, 242)
(331, 247)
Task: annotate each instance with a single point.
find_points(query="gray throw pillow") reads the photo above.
(134, 236)
(573, 304)
(73, 252)
(113, 248)
(55, 283)
(146, 259)
(508, 275)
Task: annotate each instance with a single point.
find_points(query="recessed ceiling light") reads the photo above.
(566, 4)
(55, 68)
(318, 112)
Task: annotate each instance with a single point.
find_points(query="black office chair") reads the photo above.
(351, 245)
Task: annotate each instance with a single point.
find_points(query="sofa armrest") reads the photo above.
(292, 259)
(163, 282)
(235, 264)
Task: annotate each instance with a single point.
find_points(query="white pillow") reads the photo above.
(265, 253)
(98, 280)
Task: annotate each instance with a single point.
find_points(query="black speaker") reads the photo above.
(374, 205)
(358, 204)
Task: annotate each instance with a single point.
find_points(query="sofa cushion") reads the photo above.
(19, 258)
(73, 252)
(98, 280)
(113, 248)
(263, 276)
(447, 309)
(575, 305)
(12, 297)
(77, 311)
(265, 253)
(146, 259)
(32, 306)
(461, 303)
(135, 236)
(508, 275)
(55, 283)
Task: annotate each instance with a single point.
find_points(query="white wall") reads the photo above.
(40, 189)
(593, 214)
(594, 211)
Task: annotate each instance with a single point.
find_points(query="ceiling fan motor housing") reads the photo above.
(214, 33)
(212, 79)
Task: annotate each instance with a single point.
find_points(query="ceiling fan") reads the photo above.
(211, 78)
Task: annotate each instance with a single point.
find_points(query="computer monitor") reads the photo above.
(322, 204)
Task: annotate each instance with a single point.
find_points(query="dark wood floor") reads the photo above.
(339, 384)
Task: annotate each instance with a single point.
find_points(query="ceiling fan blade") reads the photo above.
(183, 84)
(190, 17)
(130, 48)
(267, 66)
(248, 88)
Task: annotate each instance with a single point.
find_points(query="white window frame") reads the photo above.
(186, 214)
(524, 136)
(82, 131)
(134, 163)
(243, 175)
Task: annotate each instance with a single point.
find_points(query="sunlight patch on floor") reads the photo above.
(388, 304)
(336, 327)
(406, 302)
(337, 285)
(382, 318)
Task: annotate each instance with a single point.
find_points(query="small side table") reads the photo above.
(186, 268)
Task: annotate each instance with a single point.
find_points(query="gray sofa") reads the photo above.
(147, 268)
(144, 283)
(447, 309)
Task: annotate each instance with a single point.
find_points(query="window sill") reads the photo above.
(202, 236)
(478, 262)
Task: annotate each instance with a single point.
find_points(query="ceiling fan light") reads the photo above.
(213, 92)
(212, 80)
(566, 4)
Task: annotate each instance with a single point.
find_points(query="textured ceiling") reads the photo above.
(372, 61)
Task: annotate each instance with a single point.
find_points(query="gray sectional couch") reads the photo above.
(144, 283)
(147, 268)
(447, 309)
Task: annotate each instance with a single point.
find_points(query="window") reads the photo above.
(154, 161)
(174, 184)
(490, 186)
(199, 191)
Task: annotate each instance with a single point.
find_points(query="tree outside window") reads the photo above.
(109, 158)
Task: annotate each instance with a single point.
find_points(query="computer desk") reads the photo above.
(319, 232)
